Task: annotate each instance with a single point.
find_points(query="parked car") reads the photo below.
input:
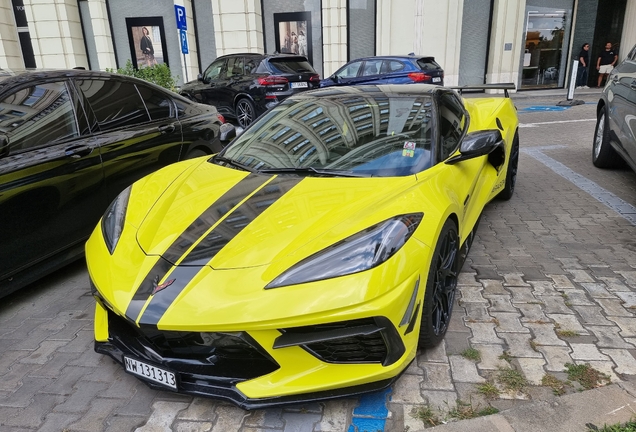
(311, 256)
(388, 70)
(244, 86)
(70, 142)
(614, 139)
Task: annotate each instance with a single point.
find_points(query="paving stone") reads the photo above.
(587, 352)
(483, 333)
(467, 278)
(471, 294)
(80, 398)
(94, 418)
(565, 322)
(308, 407)
(456, 342)
(487, 272)
(82, 343)
(493, 287)
(457, 321)
(295, 422)
(490, 357)
(532, 369)
(607, 367)
(508, 323)
(614, 307)
(521, 295)
(64, 384)
(591, 315)
(411, 422)
(554, 305)
(598, 291)
(543, 288)
(629, 276)
(500, 303)
(203, 409)
(570, 263)
(544, 334)
(43, 353)
(57, 422)
(477, 312)
(34, 413)
(556, 357)
(117, 423)
(561, 281)
(440, 400)
(193, 426)
(53, 367)
(532, 313)
(437, 376)
(627, 325)
(407, 389)
(435, 354)
(580, 276)
(577, 297)
(464, 370)
(624, 360)
(140, 400)
(335, 417)
(628, 298)
(72, 328)
(414, 369)
(469, 393)
(615, 284)
(519, 345)
(163, 416)
(514, 280)
(609, 337)
(10, 357)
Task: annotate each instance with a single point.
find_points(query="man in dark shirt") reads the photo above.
(581, 75)
(605, 63)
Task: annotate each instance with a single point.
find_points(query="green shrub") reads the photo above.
(159, 74)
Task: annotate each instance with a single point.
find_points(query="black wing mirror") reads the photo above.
(477, 144)
(199, 77)
(227, 133)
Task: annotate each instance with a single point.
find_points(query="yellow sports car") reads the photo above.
(313, 255)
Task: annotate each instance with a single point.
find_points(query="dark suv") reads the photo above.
(243, 86)
(388, 70)
(614, 140)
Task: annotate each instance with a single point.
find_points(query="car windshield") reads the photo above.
(340, 134)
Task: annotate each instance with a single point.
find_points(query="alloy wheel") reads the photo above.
(245, 112)
(598, 139)
(445, 283)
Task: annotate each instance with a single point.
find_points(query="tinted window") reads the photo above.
(290, 65)
(427, 64)
(349, 71)
(115, 103)
(214, 70)
(389, 66)
(158, 104)
(234, 66)
(452, 124)
(251, 64)
(36, 116)
(372, 67)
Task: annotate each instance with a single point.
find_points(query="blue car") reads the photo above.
(388, 70)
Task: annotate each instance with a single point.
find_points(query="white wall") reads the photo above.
(238, 26)
(10, 53)
(628, 39)
(102, 35)
(334, 35)
(507, 27)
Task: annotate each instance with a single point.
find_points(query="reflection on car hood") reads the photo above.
(226, 218)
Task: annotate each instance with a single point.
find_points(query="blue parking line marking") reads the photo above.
(544, 108)
(371, 413)
(623, 208)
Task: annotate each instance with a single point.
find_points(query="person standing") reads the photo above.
(605, 63)
(146, 47)
(584, 61)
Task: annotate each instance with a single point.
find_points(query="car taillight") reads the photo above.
(221, 118)
(315, 78)
(419, 76)
(272, 80)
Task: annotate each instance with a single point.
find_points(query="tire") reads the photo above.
(441, 286)
(603, 154)
(511, 172)
(245, 112)
(195, 154)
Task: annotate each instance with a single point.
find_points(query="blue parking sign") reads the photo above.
(183, 35)
(180, 14)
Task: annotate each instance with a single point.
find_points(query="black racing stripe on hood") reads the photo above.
(196, 229)
(218, 238)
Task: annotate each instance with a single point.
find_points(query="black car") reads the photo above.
(70, 142)
(243, 86)
(614, 140)
(388, 70)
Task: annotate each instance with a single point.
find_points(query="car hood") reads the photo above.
(226, 219)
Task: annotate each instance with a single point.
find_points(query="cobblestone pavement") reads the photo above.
(550, 280)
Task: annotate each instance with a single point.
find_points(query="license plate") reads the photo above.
(299, 85)
(436, 79)
(150, 372)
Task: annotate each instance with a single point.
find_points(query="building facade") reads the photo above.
(531, 43)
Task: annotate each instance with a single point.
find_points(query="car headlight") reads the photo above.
(360, 252)
(113, 219)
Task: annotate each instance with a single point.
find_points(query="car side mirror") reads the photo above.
(4, 145)
(199, 77)
(227, 133)
(334, 78)
(477, 144)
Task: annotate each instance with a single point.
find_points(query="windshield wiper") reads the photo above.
(232, 162)
(312, 170)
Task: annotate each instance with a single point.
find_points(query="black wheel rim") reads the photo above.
(514, 162)
(445, 283)
(598, 138)
(244, 113)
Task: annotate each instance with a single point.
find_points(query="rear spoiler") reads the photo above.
(498, 86)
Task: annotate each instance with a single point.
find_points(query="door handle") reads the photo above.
(166, 129)
(77, 152)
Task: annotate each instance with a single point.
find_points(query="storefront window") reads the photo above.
(544, 61)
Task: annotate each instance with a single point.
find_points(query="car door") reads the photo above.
(348, 74)
(51, 179)
(231, 82)
(625, 76)
(208, 91)
(370, 72)
(138, 129)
